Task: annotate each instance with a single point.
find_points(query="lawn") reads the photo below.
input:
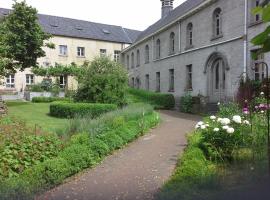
(36, 114)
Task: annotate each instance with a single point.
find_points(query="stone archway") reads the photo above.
(216, 68)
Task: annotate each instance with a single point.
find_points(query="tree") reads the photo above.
(104, 81)
(21, 39)
(263, 39)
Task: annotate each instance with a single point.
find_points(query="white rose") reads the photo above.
(237, 119)
(207, 125)
(225, 121)
(246, 122)
(225, 127)
(213, 117)
(262, 93)
(197, 126)
(262, 111)
(230, 130)
(200, 123)
(216, 129)
(203, 127)
(219, 119)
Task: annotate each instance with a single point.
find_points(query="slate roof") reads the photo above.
(83, 29)
(172, 16)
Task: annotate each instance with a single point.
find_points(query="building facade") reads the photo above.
(76, 41)
(202, 47)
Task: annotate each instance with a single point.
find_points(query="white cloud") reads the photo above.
(134, 14)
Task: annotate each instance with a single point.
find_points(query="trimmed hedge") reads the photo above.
(82, 151)
(158, 100)
(70, 110)
(48, 99)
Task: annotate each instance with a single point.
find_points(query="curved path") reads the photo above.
(135, 172)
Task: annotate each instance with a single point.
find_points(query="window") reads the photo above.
(189, 77)
(10, 81)
(80, 51)
(103, 52)
(116, 56)
(29, 79)
(147, 82)
(257, 17)
(138, 83)
(138, 58)
(147, 54)
(127, 61)
(133, 82)
(172, 43)
(189, 35)
(132, 60)
(63, 50)
(63, 81)
(158, 82)
(158, 49)
(217, 23)
(259, 68)
(171, 80)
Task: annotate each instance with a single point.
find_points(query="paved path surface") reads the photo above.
(135, 172)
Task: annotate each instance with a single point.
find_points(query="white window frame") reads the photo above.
(62, 82)
(29, 79)
(63, 50)
(10, 81)
(116, 56)
(81, 51)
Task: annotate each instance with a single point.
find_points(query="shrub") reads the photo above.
(66, 110)
(35, 88)
(112, 140)
(229, 110)
(48, 99)
(158, 100)
(186, 103)
(104, 81)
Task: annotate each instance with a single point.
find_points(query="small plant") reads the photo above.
(186, 103)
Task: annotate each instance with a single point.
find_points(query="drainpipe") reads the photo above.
(245, 41)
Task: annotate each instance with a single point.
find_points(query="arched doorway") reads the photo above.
(216, 69)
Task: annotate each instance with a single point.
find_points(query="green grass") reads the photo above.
(36, 114)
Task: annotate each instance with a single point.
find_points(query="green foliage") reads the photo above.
(60, 70)
(186, 103)
(84, 150)
(70, 110)
(263, 39)
(21, 38)
(35, 88)
(229, 110)
(21, 149)
(48, 99)
(158, 100)
(104, 81)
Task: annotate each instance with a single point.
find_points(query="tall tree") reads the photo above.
(21, 39)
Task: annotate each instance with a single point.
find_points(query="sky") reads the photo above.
(133, 14)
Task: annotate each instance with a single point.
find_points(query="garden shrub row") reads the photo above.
(48, 99)
(70, 110)
(158, 100)
(82, 151)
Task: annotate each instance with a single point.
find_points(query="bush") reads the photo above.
(48, 99)
(70, 110)
(186, 103)
(158, 100)
(35, 88)
(104, 81)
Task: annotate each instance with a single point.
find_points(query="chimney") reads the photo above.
(167, 7)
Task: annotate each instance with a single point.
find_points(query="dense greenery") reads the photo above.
(104, 81)
(21, 147)
(36, 116)
(70, 110)
(186, 103)
(158, 100)
(21, 39)
(84, 150)
(49, 99)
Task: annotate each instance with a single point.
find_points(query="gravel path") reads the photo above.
(135, 172)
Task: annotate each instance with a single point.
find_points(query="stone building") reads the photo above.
(202, 47)
(76, 41)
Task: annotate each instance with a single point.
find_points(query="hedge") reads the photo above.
(48, 99)
(158, 100)
(70, 110)
(82, 151)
